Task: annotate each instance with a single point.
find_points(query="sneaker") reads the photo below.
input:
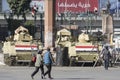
(50, 77)
(43, 77)
(32, 77)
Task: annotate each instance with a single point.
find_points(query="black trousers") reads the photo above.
(49, 67)
(37, 69)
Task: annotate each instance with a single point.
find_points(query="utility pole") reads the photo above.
(49, 23)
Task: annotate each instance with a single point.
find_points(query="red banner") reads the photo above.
(76, 5)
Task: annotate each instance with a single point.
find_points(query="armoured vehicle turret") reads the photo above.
(18, 49)
(63, 38)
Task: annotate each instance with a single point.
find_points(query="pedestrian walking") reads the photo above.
(106, 57)
(48, 61)
(114, 56)
(38, 65)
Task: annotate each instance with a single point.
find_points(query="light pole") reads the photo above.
(41, 25)
(36, 9)
(34, 12)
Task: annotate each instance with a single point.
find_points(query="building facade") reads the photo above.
(92, 22)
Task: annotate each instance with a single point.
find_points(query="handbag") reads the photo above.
(34, 59)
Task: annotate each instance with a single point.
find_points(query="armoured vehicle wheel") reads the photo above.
(72, 62)
(11, 61)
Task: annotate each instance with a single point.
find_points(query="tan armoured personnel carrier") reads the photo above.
(84, 51)
(18, 50)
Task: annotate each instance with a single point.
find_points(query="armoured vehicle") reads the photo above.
(18, 49)
(83, 51)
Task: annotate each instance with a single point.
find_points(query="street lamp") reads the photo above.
(34, 11)
(41, 23)
(8, 15)
(41, 26)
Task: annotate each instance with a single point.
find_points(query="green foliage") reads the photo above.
(16, 24)
(29, 23)
(19, 7)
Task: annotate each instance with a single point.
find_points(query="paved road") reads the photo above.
(61, 73)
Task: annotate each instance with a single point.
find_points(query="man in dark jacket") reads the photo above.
(106, 57)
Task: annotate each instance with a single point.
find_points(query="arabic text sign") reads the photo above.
(76, 5)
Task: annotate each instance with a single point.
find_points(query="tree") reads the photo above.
(19, 7)
(30, 25)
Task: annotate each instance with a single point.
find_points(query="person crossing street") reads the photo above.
(38, 65)
(48, 61)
